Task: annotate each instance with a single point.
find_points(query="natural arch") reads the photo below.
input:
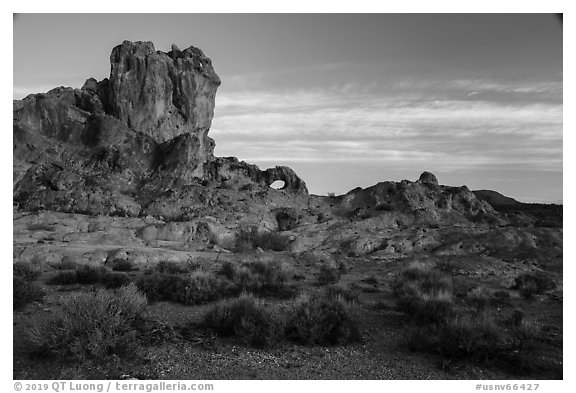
(278, 184)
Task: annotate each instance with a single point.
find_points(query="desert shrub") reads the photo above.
(251, 239)
(324, 320)
(170, 267)
(86, 274)
(67, 263)
(479, 298)
(529, 284)
(525, 333)
(459, 336)
(194, 288)
(372, 280)
(516, 318)
(247, 318)
(428, 280)
(83, 274)
(122, 265)
(328, 274)
(500, 297)
(24, 292)
(25, 271)
(91, 325)
(228, 270)
(424, 294)
(470, 335)
(425, 307)
(112, 280)
(89, 275)
(263, 277)
(461, 286)
(349, 295)
(271, 274)
(24, 289)
(342, 265)
(63, 278)
(41, 227)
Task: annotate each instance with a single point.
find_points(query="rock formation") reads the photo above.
(115, 145)
(424, 195)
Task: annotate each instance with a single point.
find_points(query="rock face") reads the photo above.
(117, 145)
(162, 94)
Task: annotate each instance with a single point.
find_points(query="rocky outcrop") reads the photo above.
(163, 94)
(423, 197)
(240, 175)
(428, 178)
(117, 145)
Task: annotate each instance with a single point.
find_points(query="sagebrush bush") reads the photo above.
(324, 320)
(86, 274)
(247, 318)
(424, 307)
(24, 292)
(349, 295)
(458, 336)
(41, 227)
(479, 298)
(122, 265)
(113, 280)
(89, 275)
(192, 288)
(328, 273)
(24, 289)
(264, 277)
(229, 270)
(530, 284)
(428, 280)
(25, 271)
(91, 325)
(424, 294)
(500, 297)
(525, 333)
(171, 267)
(250, 239)
(67, 263)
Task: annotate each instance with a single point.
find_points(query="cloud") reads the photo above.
(410, 124)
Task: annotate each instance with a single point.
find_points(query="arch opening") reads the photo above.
(278, 185)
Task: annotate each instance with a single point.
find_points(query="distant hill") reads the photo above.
(495, 198)
(536, 214)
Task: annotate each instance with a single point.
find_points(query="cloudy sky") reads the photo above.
(349, 100)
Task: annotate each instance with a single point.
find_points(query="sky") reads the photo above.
(349, 100)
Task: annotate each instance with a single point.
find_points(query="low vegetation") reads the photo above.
(24, 289)
(170, 267)
(193, 288)
(91, 325)
(328, 273)
(249, 239)
(90, 275)
(323, 320)
(465, 327)
(530, 284)
(265, 277)
(247, 318)
(122, 265)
